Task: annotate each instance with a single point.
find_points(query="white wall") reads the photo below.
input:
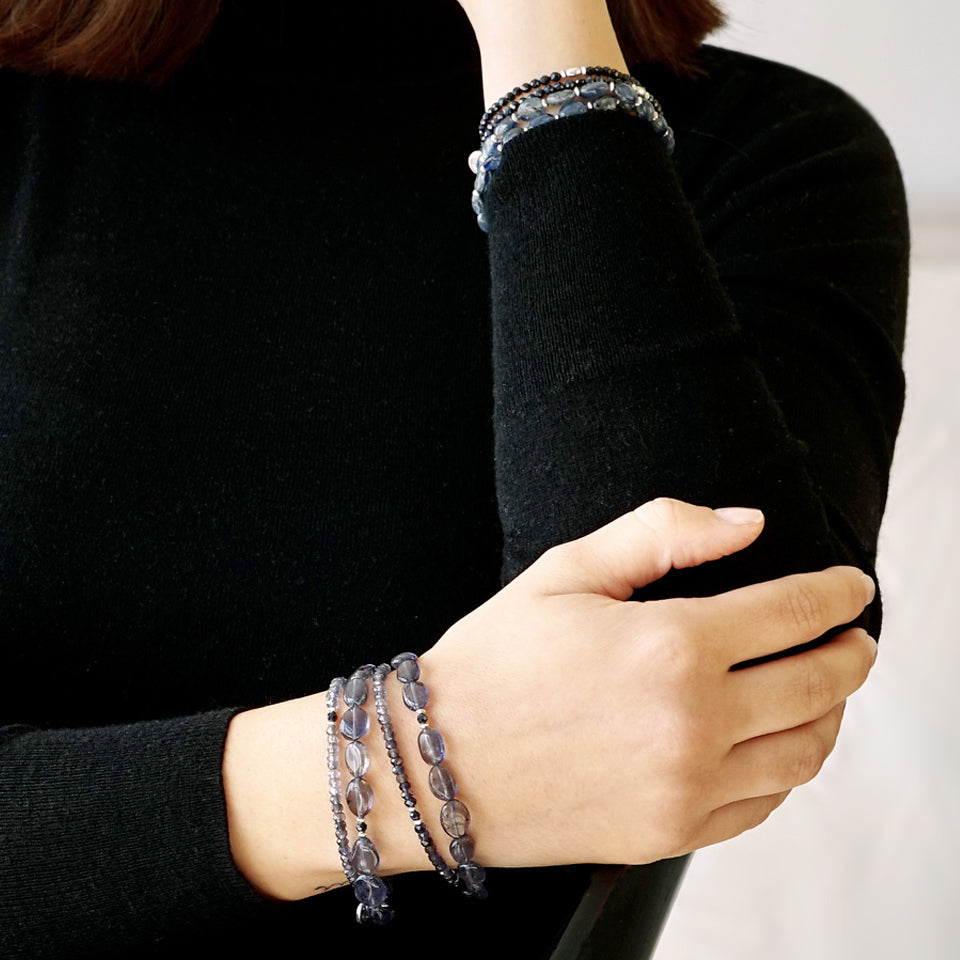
(864, 863)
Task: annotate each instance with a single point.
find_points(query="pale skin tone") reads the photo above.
(617, 725)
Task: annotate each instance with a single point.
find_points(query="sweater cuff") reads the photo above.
(122, 829)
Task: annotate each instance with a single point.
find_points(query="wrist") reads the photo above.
(540, 37)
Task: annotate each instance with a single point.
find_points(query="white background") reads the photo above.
(864, 862)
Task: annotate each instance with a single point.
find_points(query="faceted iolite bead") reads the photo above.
(355, 691)
(454, 818)
(594, 89)
(415, 695)
(357, 758)
(431, 745)
(355, 723)
(370, 890)
(359, 797)
(442, 784)
(462, 848)
(572, 108)
(364, 856)
(408, 671)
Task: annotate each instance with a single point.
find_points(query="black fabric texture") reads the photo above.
(272, 406)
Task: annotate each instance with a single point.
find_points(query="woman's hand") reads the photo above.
(582, 726)
(519, 41)
(585, 727)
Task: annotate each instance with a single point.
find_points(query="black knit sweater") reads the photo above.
(271, 405)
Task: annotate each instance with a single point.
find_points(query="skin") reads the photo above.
(562, 687)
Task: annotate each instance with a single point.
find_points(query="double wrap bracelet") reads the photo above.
(546, 99)
(552, 97)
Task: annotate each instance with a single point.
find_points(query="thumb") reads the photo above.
(643, 545)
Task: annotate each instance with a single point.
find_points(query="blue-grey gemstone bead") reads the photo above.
(472, 874)
(529, 108)
(378, 915)
(491, 162)
(462, 848)
(371, 891)
(364, 856)
(355, 691)
(559, 96)
(431, 745)
(490, 145)
(626, 92)
(483, 223)
(408, 671)
(605, 103)
(442, 784)
(645, 110)
(454, 818)
(481, 181)
(503, 126)
(355, 723)
(594, 89)
(476, 201)
(357, 758)
(400, 657)
(415, 695)
(659, 124)
(359, 797)
(510, 134)
(543, 118)
(572, 108)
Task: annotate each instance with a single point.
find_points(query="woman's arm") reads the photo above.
(722, 326)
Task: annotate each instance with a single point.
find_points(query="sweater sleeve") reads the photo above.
(732, 339)
(144, 803)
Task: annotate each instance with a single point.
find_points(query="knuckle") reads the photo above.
(815, 688)
(808, 760)
(804, 606)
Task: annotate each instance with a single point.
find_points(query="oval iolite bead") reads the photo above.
(355, 691)
(462, 848)
(454, 818)
(364, 856)
(415, 695)
(355, 723)
(442, 783)
(359, 797)
(371, 891)
(431, 745)
(408, 670)
(357, 758)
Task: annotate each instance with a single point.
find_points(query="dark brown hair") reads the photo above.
(147, 41)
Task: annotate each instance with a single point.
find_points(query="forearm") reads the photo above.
(538, 37)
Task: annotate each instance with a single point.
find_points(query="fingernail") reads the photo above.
(871, 587)
(739, 514)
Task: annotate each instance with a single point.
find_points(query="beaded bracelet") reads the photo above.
(454, 816)
(370, 890)
(399, 771)
(566, 94)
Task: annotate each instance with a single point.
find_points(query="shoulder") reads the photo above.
(762, 111)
